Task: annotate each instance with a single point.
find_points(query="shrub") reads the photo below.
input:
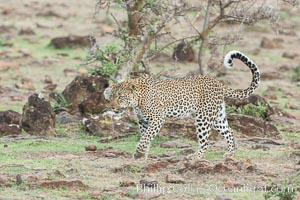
(258, 111)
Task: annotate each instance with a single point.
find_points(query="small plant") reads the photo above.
(135, 169)
(60, 102)
(285, 191)
(296, 74)
(258, 111)
(105, 60)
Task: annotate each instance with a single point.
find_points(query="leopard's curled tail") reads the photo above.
(241, 94)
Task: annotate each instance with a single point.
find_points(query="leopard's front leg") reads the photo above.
(154, 126)
(143, 124)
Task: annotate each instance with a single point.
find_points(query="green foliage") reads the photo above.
(135, 169)
(296, 74)
(60, 102)
(105, 197)
(258, 111)
(108, 59)
(285, 191)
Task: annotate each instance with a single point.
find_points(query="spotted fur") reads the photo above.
(202, 97)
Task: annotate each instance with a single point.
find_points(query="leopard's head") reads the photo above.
(123, 95)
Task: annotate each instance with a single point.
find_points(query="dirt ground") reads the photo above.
(60, 168)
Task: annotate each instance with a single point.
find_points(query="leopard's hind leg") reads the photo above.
(222, 127)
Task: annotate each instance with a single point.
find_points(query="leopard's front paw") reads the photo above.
(138, 155)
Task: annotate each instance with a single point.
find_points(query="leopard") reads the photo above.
(203, 97)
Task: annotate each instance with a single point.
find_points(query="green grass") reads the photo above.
(41, 48)
(12, 105)
(20, 192)
(291, 136)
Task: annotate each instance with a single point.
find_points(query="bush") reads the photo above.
(258, 111)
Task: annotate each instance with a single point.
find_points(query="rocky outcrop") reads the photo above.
(82, 91)
(9, 123)
(38, 117)
(184, 52)
(251, 126)
(70, 41)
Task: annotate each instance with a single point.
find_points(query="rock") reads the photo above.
(26, 31)
(26, 83)
(19, 180)
(91, 148)
(251, 126)
(174, 144)
(109, 125)
(9, 123)
(94, 103)
(48, 79)
(290, 55)
(49, 87)
(292, 106)
(127, 183)
(10, 117)
(221, 168)
(82, 87)
(51, 13)
(10, 129)
(71, 41)
(250, 166)
(232, 184)
(83, 71)
(270, 76)
(38, 117)
(287, 32)
(113, 153)
(6, 29)
(200, 166)
(172, 178)
(157, 166)
(63, 184)
(66, 118)
(286, 67)
(187, 151)
(5, 66)
(268, 44)
(70, 72)
(184, 52)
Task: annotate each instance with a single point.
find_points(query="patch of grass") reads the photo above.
(12, 105)
(295, 77)
(41, 48)
(291, 136)
(214, 155)
(19, 192)
(287, 190)
(242, 153)
(18, 164)
(135, 169)
(129, 144)
(259, 111)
